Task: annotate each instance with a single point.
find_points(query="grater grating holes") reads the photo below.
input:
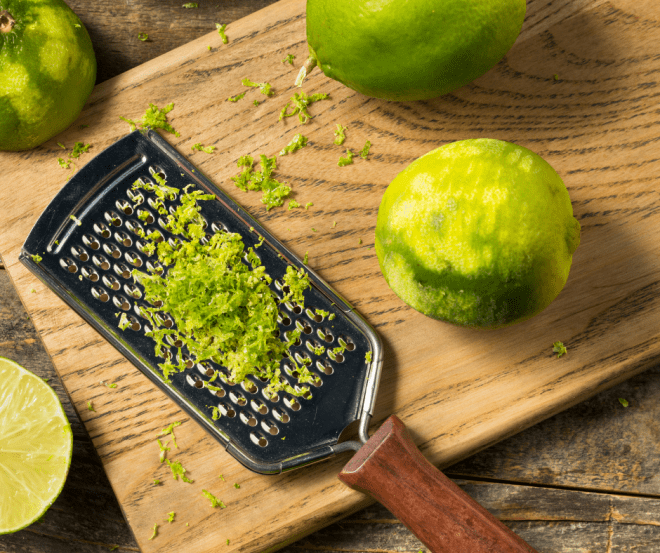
(91, 242)
(270, 427)
(122, 270)
(134, 226)
(249, 386)
(113, 219)
(124, 207)
(133, 258)
(90, 273)
(315, 317)
(135, 196)
(346, 342)
(259, 406)
(325, 367)
(121, 302)
(111, 282)
(281, 416)
(227, 410)
(325, 334)
(123, 239)
(101, 230)
(101, 262)
(133, 291)
(112, 250)
(292, 403)
(237, 398)
(134, 323)
(146, 216)
(258, 439)
(248, 418)
(142, 247)
(218, 226)
(80, 253)
(100, 294)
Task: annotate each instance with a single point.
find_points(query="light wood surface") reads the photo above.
(458, 390)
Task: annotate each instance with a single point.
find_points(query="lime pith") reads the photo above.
(36, 444)
(479, 233)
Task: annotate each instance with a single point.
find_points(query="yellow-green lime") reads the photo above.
(35, 447)
(47, 71)
(410, 50)
(479, 233)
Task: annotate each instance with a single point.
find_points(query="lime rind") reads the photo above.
(36, 445)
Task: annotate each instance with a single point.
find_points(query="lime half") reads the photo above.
(35, 447)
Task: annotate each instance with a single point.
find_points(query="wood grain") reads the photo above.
(588, 123)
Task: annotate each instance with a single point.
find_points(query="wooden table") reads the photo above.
(584, 480)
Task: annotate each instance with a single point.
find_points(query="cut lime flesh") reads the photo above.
(35, 447)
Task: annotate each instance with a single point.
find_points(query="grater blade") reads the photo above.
(88, 244)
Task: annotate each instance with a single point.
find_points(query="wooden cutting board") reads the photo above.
(579, 87)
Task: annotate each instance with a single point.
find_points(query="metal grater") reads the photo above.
(87, 240)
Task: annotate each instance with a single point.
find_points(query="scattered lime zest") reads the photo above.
(221, 31)
(555, 77)
(289, 58)
(61, 145)
(227, 541)
(292, 204)
(623, 402)
(331, 317)
(163, 450)
(113, 547)
(340, 135)
(90, 407)
(308, 205)
(208, 48)
(143, 37)
(155, 532)
(215, 502)
(190, 5)
(178, 470)
(364, 153)
(170, 516)
(300, 103)
(113, 385)
(237, 97)
(322, 313)
(320, 350)
(274, 191)
(221, 477)
(156, 482)
(237, 486)
(360, 241)
(155, 118)
(200, 148)
(170, 430)
(367, 357)
(256, 102)
(334, 224)
(63, 164)
(215, 411)
(265, 87)
(297, 142)
(559, 349)
(306, 258)
(37, 258)
(79, 148)
(33, 291)
(348, 160)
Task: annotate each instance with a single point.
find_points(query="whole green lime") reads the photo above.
(412, 50)
(47, 71)
(479, 233)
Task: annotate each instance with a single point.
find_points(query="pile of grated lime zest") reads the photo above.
(223, 308)
(274, 192)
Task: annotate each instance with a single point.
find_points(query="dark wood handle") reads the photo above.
(391, 469)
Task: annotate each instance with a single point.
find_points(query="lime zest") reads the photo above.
(559, 349)
(306, 258)
(90, 407)
(237, 486)
(364, 153)
(155, 118)
(155, 532)
(170, 430)
(308, 205)
(348, 160)
(178, 471)
(340, 135)
(37, 258)
(300, 103)
(221, 31)
(256, 102)
(367, 357)
(124, 322)
(61, 145)
(190, 5)
(215, 502)
(289, 58)
(623, 402)
(293, 204)
(264, 87)
(297, 142)
(200, 148)
(170, 516)
(156, 482)
(63, 164)
(237, 97)
(298, 282)
(331, 317)
(274, 191)
(79, 148)
(143, 37)
(215, 411)
(221, 477)
(163, 449)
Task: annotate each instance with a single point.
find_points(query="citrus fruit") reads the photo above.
(35, 447)
(479, 233)
(47, 71)
(410, 50)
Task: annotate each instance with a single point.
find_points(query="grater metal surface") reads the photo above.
(86, 239)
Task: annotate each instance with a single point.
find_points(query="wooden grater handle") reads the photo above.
(391, 469)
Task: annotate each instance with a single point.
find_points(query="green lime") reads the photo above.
(410, 50)
(47, 71)
(35, 447)
(479, 233)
